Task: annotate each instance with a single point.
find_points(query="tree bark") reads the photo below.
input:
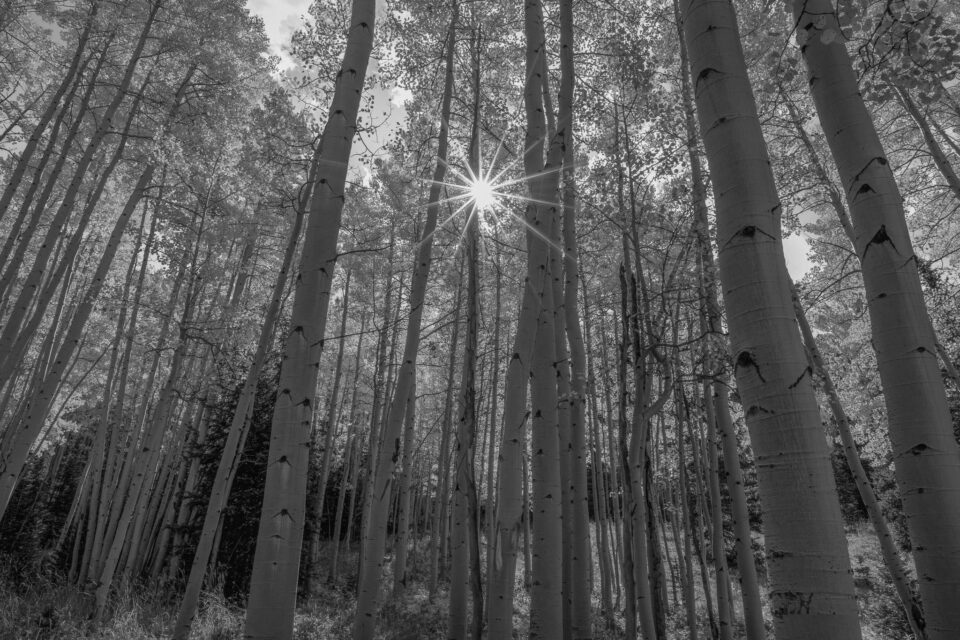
(811, 587)
(925, 452)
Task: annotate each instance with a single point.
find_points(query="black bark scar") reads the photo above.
(878, 159)
(879, 237)
(746, 359)
(797, 381)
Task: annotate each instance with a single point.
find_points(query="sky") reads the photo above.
(282, 17)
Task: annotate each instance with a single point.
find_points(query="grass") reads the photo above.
(43, 607)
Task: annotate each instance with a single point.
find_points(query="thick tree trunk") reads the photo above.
(811, 587)
(888, 546)
(925, 452)
(273, 584)
(236, 437)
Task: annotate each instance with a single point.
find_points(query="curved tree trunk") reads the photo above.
(925, 452)
(811, 587)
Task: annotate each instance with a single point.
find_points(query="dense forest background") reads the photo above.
(472, 318)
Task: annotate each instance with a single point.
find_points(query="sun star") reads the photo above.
(483, 194)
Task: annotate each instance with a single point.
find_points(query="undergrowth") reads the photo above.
(44, 607)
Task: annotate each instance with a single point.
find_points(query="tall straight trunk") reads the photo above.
(888, 546)
(273, 584)
(352, 479)
(492, 467)
(402, 536)
(751, 599)
(373, 544)
(346, 480)
(331, 427)
(438, 542)
(698, 525)
(601, 493)
(375, 434)
(540, 219)
(925, 452)
(717, 409)
(689, 598)
(236, 437)
(463, 533)
(811, 586)
(581, 627)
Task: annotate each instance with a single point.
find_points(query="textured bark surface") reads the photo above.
(811, 588)
(273, 585)
(925, 452)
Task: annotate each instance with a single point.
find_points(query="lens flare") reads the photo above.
(483, 194)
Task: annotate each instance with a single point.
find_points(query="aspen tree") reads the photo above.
(542, 185)
(236, 437)
(375, 540)
(811, 587)
(402, 539)
(464, 544)
(273, 584)
(331, 424)
(717, 408)
(581, 556)
(438, 540)
(925, 453)
(888, 546)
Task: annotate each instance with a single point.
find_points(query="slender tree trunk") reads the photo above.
(402, 537)
(463, 546)
(373, 544)
(331, 427)
(540, 219)
(438, 543)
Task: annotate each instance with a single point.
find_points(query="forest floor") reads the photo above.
(45, 608)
